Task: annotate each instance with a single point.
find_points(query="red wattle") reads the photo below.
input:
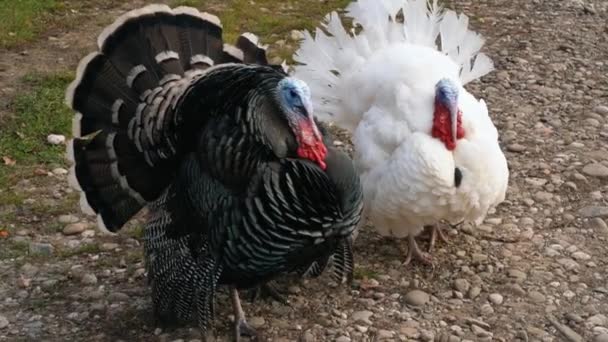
(310, 143)
(442, 126)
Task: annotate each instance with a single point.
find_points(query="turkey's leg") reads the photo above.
(268, 290)
(436, 232)
(413, 251)
(241, 327)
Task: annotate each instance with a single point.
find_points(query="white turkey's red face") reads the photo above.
(294, 96)
(447, 118)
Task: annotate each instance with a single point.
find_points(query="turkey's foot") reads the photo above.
(268, 290)
(241, 327)
(413, 251)
(436, 232)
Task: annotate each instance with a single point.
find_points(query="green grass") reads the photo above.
(89, 248)
(22, 20)
(37, 114)
(363, 273)
(13, 249)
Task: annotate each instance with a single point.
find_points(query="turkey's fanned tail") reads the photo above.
(126, 129)
(333, 53)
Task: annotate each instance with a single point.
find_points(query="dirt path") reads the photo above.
(537, 266)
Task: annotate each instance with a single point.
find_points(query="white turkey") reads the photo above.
(242, 184)
(426, 149)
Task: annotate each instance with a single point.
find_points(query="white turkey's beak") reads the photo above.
(454, 121)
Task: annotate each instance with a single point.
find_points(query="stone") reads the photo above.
(363, 316)
(566, 331)
(427, 336)
(60, 171)
(117, 297)
(109, 246)
(496, 298)
(536, 297)
(474, 292)
(593, 211)
(385, 334)
(601, 338)
(581, 256)
(88, 279)
(343, 339)
(55, 139)
(256, 322)
(601, 110)
(416, 298)
(65, 219)
(3, 322)
(296, 35)
(479, 331)
(598, 224)
(568, 263)
(45, 249)
(75, 228)
(517, 274)
(479, 258)
(410, 332)
(597, 320)
(517, 148)
(596, 170)
(307, 337)
(487, 309)
(462, 285)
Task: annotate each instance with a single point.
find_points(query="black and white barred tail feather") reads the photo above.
(340, 263)
(126, 127)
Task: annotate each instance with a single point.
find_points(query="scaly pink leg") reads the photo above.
(436, 232)
(414, 251)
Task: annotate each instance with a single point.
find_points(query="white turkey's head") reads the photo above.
(295, 101)
(447, 117)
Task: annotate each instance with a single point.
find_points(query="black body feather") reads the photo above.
(164, 121)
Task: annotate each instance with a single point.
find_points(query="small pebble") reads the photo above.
(363, 316)
(462, 285)
(256, 322)
(75, 228)
(89, 279)
(45, 249)
(601, 338)
(416, 297)
(496, 298)
(55, 139)
(516, 148)
(65, 219)
(117, 297)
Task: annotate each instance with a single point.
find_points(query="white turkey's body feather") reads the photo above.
(380, 85)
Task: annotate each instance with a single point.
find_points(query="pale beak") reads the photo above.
(309, 113)
(454, 121)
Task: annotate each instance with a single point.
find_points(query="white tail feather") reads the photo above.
(333, 54)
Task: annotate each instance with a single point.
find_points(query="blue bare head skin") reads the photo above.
(446, 93)
(294, 96)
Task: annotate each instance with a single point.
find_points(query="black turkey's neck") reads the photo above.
(250, 91)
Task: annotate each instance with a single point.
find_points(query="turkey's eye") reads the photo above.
(293, 94)
(300, 109)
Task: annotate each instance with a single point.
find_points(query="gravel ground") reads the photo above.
(536, 270)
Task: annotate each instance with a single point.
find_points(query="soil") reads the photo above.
(535, 270)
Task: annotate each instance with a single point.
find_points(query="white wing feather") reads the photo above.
(327, 60)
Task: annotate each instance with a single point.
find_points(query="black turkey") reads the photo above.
(224, 150)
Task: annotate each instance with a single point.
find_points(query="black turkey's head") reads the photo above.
(296, 104)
